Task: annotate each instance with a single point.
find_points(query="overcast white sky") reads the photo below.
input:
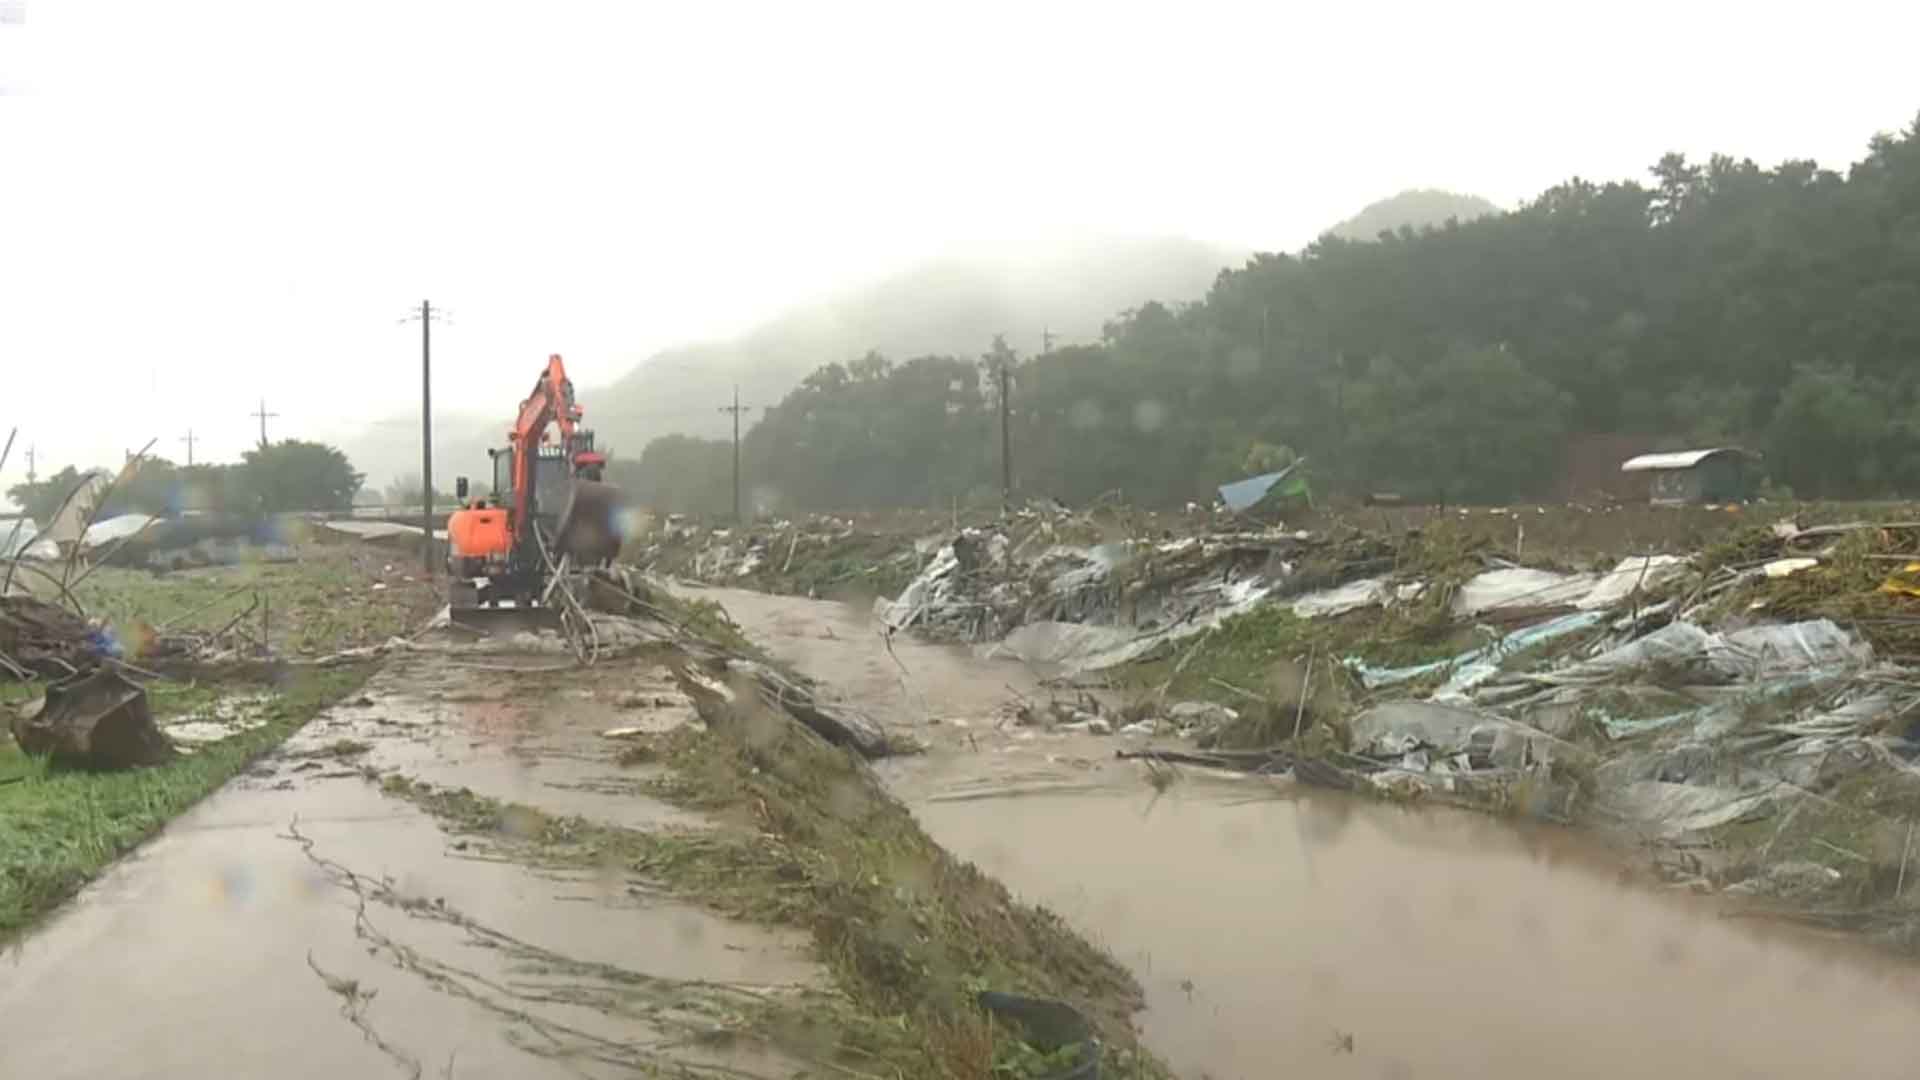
(210, 201)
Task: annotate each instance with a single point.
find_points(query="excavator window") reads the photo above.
(502, 475)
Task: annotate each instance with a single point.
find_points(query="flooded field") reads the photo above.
(1269, 931)
(1333, 937)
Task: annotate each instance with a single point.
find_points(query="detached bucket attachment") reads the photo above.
(589, 531)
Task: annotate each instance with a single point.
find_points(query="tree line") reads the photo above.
(286, 476)
(1718, 303)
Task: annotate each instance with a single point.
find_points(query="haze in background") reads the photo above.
(205, 205)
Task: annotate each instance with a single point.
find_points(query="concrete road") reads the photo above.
(301, 923)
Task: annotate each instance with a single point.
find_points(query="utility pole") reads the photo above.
(736, 409)
(1046, 341)
(264, 416)
(427, 317)
(188, 439)
(31, 477)
(1006, 437)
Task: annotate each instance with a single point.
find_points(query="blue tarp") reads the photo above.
(1243, 494)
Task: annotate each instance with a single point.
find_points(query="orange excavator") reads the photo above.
(549, 508)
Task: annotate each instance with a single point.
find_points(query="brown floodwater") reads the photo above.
(1268, 931)
(1280, 933)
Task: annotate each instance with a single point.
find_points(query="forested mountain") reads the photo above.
(943, 307)
(1717, 302)
(1415, 209)
(1068, 289)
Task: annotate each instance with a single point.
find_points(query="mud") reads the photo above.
(302, 923)
(1331, 937)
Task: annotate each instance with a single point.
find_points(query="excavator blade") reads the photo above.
(590, 526)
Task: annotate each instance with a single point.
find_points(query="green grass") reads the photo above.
(59, 829)
(320, 603)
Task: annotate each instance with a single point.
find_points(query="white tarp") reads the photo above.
(1519, 586)
(26, 540)
(1397, 727)
(1678, 809)
(379, 530)
(115, 529)
(1630, 576)
(1354, 595)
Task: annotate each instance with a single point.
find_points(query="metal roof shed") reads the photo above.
(1694, 476)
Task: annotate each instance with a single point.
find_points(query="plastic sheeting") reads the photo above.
(1627, 577)
(1762, 652)
(25, 541)
(1354, 595)
(1678, 809)
(1519, 586)
(1398, 727)
(101, 533)
(1471, 668)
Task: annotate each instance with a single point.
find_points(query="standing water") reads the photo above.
(1317, 935)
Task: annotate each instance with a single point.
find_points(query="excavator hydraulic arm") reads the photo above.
(495, 551)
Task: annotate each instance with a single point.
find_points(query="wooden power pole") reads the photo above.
(736, 409)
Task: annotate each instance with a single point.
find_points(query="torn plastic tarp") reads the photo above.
(1475, 666)
(932, 586)
(25, 542)
(1678, 809)
(1070, 645)
(1352, 596)
(101, 533)
(1398, 727)
(1760, 652)
(936, 592)
(1244, 494)
(1519, 586)
(1080, 647)
(1629, 576)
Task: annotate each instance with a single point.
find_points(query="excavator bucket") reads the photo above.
(590, 525)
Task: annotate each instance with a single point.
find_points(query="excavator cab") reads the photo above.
(549, 509)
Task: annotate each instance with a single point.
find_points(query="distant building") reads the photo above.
(1695, 476)
(1590, 467)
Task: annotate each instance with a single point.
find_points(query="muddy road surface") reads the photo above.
(306, 921)
(1281, 933)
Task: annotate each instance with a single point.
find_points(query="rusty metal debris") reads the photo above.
(96, 721)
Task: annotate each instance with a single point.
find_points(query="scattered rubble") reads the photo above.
(45, 640)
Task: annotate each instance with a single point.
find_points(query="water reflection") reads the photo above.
(1333, 937)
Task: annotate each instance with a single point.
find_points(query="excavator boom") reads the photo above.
(507, 551)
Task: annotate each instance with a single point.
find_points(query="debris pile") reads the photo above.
(44, 640)
(817, 556)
